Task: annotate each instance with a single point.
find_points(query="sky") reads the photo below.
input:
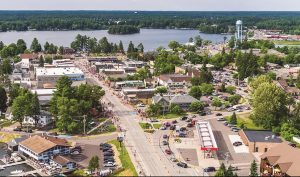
(165, 5)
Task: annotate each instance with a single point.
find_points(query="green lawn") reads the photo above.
(128, 167)
(283, 42)
(244, 119)
(156, 126)
(6, 123)
(145, 125)
(170, 116)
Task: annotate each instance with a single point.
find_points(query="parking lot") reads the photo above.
(238, 149)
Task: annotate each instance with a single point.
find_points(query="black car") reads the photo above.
(218, 114)
(210, 169)
(293, 144)
(182, 129)
(18, 129)
(173, 127)
(237, 143)
(109, 158)
(108, 154)
(190, 125)
(202, 114)
(165, 143)
(28, 130)
(182, 164)
(105, 145)
(184, 118)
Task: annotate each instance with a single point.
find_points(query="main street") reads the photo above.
(143, 154)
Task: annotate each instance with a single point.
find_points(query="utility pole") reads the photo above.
(84, 121)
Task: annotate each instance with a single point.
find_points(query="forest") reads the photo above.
(123, 29)
(208, 22)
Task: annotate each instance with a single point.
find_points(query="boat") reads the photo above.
(16, 172)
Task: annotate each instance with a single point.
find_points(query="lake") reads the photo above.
(151, 38)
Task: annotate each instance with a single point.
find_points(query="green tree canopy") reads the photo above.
(195, 92)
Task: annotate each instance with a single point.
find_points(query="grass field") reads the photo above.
(156, 126)
(145, 125)
(6, 137)
(243, 118)
(287, 42)
(170, 116)
(128, 167)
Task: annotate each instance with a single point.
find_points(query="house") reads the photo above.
(259, 140)
(68, 50)
(14, 143)
(43, 148)
(17, 74)
(281, 160)
(174, 80)
(44, 119)
(287, 89)
(184, 101)
(63, 162)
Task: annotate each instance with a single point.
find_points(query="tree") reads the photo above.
(253, 169)
(41, 61)
(3, 99)
(198, 41)
(130, 47)
(257, 81)
(206, 89)
(216, 102)
(154, 110)
(196, 106)
(221, 171)
(173, 45)
(161, 90)
(176, 109)
(140, 48)
(21, 46)
(36, 46)
(269, 105)
(93, 163)
(287, 131)
(247, 64)
(195, 92)
(6, 67)
(120, 47)
(105, 46)
(234, 99)
(21, 107)
(230, 89)
(233, 119)
(35, 108)
(61, 50)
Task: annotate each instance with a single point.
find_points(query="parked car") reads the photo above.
(184, 118)
(141, 105)
(110, 160)
(182, 135)
(219, 114)
(182, 164)
(293, 144)
(163, 128)
(173, 159)
(225, 123)
(209, 169)
(165, 136)
(189, 120)
(17, 129)
(167, 124)
(105, 145)
(27, 130)
(190, 125)
(220, 119)
(174, 122)
(182, 129)
(109, 164)
(234, 129)
(202, 114)
(172, 127)
(105, 149)
(237, 143)
(108, 154)
(168, 151)
(153, 120)
(165, 143)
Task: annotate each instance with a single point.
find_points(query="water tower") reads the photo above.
(239, 31)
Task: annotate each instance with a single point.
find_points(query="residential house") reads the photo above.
(44, 119)
(184, 101)
(43, 148)
(287, 89)
(281, 160)
(259, 140)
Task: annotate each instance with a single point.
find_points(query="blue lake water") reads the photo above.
(151, 38)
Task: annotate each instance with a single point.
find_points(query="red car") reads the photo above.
(168, 151)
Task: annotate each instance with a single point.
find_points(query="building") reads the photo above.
(135, 95)
(43, 148)
(259, 140)
(133, 83)
(281, 160)
(47, 77)
(63, 162)
(184, 101)
(44, 95)
(14, 143)
(207, 139)
(44, 119)
(134, 63)
(174, 80)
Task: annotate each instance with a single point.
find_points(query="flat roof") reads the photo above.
(57, 71)
(207, 138)
(262, 136)
(43, 91)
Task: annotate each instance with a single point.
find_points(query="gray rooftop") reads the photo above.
(262, 136)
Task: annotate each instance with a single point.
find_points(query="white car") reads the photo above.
(163, 128)
(220, 119)
(141, 105)
(109, 164)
